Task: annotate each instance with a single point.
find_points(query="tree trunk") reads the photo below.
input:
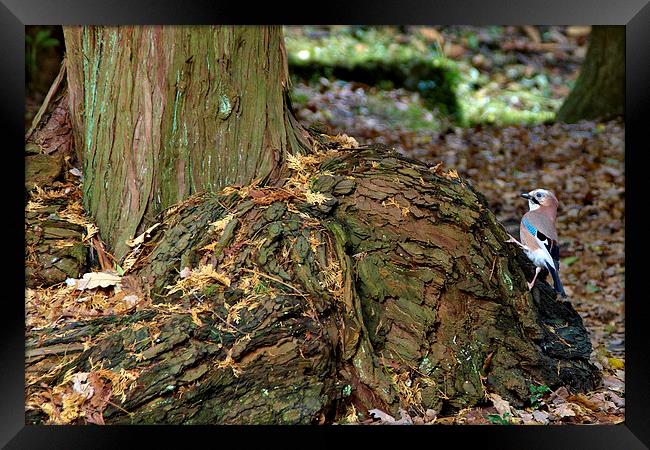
(160, 113)
(358, 278)
(599, 92)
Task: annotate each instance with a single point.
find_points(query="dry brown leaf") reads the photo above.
(94, 280)
(379, 414)
(525, 416)
(613, 383)
(346, 141)
(501, 405)
(564, 410)
(540, 416)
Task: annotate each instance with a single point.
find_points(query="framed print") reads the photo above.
(410, 215)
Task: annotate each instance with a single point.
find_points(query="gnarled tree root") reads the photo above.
(365, 279)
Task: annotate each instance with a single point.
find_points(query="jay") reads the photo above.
(539, 237)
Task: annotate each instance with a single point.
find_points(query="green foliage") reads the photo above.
(496, 419)
(536, 394)
(210, 290)
(352, 49)
(33, 45)
(261, 288)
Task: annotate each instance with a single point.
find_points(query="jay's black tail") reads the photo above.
(557, 284)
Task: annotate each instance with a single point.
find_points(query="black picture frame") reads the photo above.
(634, 433)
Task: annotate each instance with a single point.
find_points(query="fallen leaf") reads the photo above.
(618, 401)
(540, 417)
(501, 405)
(616, 363)
(379, 414)
(584, 401)
(405, 418)
(603, 404)
(525, 416)
(431, 414)
(94, 280)
(131, 300)
(613, 383)
(564, 410)
(559, 395)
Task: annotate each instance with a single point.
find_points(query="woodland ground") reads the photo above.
(514, 69)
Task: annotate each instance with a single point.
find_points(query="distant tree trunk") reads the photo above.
(358, 277)
(162, 112)
(599, 92)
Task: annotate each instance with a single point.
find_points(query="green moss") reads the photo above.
(210, 290)
(453, 88)
(374, 57)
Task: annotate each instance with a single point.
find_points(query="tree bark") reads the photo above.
(599, 92)
(356, 277)
(160, 113)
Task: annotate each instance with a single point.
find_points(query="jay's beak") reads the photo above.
(526, 195)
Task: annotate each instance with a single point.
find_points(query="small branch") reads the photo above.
(53, 89)
(494, 263)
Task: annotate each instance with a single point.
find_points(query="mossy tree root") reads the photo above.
(395, 288)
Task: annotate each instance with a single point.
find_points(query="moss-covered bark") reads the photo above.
(599, 92)
(395, 288)
(160, 113)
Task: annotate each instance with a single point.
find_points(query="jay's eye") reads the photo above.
(538, 195)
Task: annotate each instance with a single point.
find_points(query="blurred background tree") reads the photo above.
(599, 92)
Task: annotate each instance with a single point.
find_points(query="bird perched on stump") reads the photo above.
(539, 236)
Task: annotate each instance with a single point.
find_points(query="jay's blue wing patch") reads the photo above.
(551, 246)
(530, 227)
